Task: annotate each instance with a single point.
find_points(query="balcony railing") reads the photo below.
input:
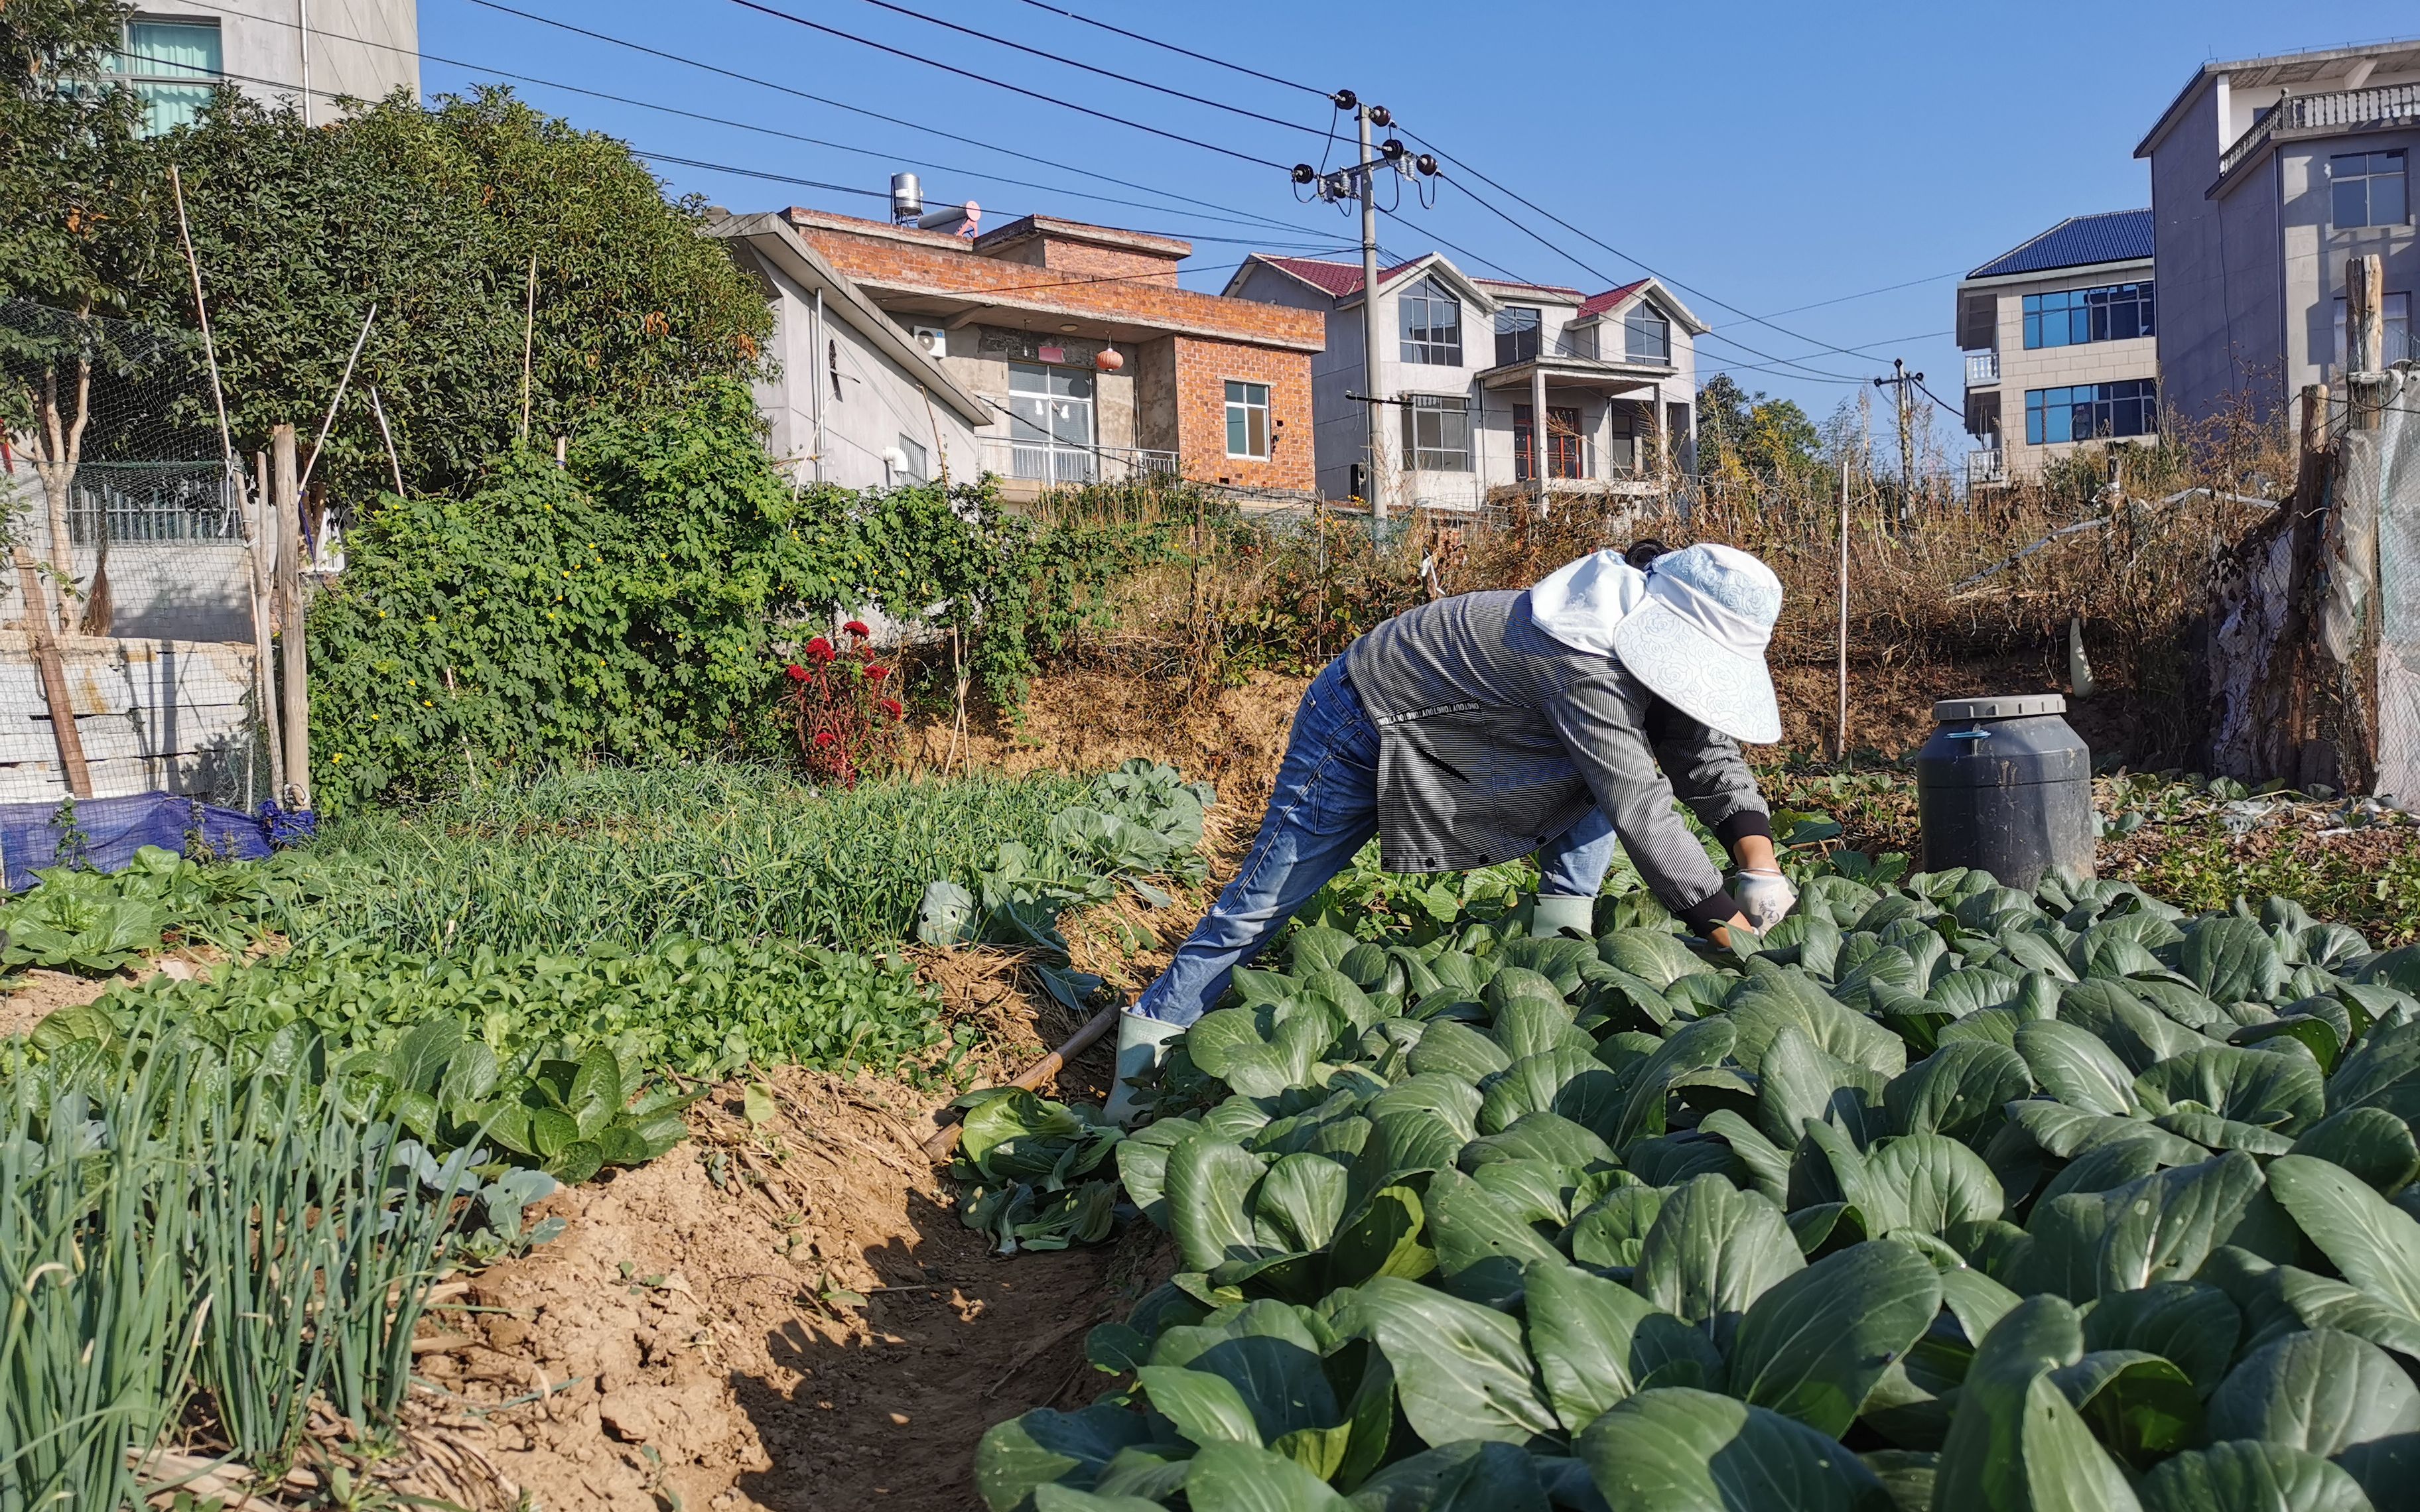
(1989, 465)
(2341, 107)
(1055, 464)
(1983, 370)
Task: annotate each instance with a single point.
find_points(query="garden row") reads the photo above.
(225, 1199)
(1945, 1195)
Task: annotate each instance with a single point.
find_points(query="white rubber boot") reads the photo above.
(1142, 1044)
(1555, 913)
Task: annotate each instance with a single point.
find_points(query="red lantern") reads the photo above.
(1109, 360)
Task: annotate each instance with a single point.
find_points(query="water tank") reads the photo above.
(2005, 785)
(907, 199)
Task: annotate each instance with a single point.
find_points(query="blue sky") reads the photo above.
(1769, 160)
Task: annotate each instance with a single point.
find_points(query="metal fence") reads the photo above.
(132, 502)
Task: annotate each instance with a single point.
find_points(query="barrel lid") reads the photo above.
(2006, 706)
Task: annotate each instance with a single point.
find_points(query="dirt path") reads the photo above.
(692, 1323)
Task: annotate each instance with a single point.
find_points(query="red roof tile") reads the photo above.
(1341, 280)
(1599, 304)
(1515, 282)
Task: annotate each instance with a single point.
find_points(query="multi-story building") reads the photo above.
(2060, 335)
(2267, 176)
(1470, 365)
(309, 52)
(1095, 363)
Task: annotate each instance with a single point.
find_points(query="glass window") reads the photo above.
(1646, 337)
(1248, 419)
(2092, 411)
(2398, 310)
(1622, 447)
(173, 66)
(1563, 443)
(1516, 334)
(1051, 423)
(1436, 433)
(1432, 322)
(2369, 189)
(2071, 317)
(913, 467)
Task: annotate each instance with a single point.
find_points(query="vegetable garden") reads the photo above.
(1943, 1195)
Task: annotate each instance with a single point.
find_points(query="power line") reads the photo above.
(1012, 88)
(1185, 52)
(1092, 69)
(1863, 294)
(859, 110)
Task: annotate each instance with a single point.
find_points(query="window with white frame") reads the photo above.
(172, 65)
(2398, 310)
(1646, 337)
(1248, 419)
(2368, 189)
(1516, 334)
(1436, 433)
(1432, 324)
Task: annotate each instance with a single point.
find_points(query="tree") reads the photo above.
(436, 215)
(79, 238)
(1743, 436)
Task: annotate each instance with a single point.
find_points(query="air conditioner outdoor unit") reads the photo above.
(935, 340)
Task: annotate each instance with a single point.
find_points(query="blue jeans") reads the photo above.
(1324, 808)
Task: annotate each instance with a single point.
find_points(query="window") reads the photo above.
(913, 467)
(1436, 433)
(1432, 322)
(2092, 411)
(1646, 337)
(173, 66)
(1622, 449)
(2369, 189)
(2398, 310)
(1562, 442)
(1516, 334)
(1050, 423)
(2118, 312)
(1248, 419)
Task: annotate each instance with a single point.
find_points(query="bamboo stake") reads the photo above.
(290, 587)
(1841, 738)
(529, 338)
(331, 419)
(387, 436)
(262, 522)
(202, 311)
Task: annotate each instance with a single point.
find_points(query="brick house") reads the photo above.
(1095, 363)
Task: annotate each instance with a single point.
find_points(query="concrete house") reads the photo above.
(856, 399)
(2061, 345)
(1094, 363)
(272, 49)
(1468, 363)
(2267, 175)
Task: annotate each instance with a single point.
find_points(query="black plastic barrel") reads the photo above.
(2005, 785)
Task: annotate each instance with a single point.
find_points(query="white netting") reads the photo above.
(2384, 464)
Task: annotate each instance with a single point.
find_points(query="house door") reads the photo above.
(1563, 438)
(1050, 423)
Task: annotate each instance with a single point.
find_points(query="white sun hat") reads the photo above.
(1698, 640)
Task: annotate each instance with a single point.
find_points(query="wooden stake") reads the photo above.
(261, 517)
(529, 338)
(339, 398)
(2364, 337)
(290, 612)
(1840, 739)
(945, 1141)
(387, 436)
(54, 678)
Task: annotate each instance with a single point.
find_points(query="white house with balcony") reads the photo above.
(2268, 175)
(279, 51)
(2060, 334)
(1469, 365)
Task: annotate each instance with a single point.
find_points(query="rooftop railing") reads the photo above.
(2341, 107)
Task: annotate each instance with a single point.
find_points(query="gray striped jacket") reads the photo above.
(1494, 738)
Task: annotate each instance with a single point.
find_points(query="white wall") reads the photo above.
(363, 48)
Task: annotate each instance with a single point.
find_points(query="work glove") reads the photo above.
(1765, 898)
(1142, 1044)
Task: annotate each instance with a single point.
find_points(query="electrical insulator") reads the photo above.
(1393, 149)
(1381, 117)
(1426, 163)
(1345, 98)
(1304, 172)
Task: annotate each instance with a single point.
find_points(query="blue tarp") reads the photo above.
(104, 833)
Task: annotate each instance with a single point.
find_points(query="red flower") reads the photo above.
(895, 708)
(821, 649)
(825, 738)
(857, 628)
(877, 673)
(798, 673)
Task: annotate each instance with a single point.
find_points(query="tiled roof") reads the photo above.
(1341, 280)
(2115, 236)
(1599, 304)
(1514, 283)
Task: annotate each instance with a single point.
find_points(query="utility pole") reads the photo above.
(1904, 382)
(1376, 413)
(1359, 183)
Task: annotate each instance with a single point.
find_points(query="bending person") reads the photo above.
(1479, 728)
